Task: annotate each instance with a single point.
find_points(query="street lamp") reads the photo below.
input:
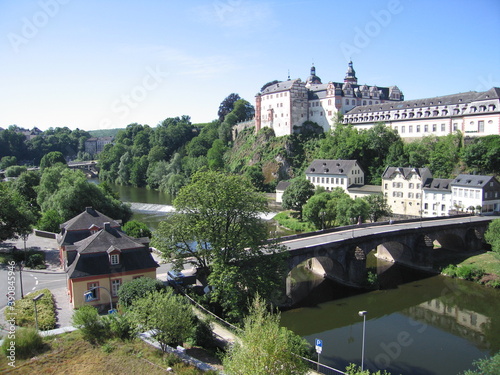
(36, 312)
(363, 314)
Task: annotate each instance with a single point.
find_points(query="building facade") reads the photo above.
(473, 191)
(436, 197)
(285, 106)
(474, 114)
(402, 188)
(94, 145)
(331, 174)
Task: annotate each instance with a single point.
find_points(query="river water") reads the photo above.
(418, 324)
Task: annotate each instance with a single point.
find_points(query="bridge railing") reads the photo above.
(364, 225)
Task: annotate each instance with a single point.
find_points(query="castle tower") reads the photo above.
(350, 76)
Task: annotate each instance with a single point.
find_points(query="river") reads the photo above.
(418, 324)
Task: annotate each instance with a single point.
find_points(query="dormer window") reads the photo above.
(114, 259)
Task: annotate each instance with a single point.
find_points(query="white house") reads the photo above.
(331, 174)
(473, 191)
(437, 197)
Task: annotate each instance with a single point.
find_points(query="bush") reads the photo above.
(86, 318)
(202, 334)
(27, 341)
(466, 272)
(24, 310)
(36, 261)
(117, 325)
(137, 288)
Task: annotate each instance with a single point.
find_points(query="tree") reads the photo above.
(483, 154)
(492, 235)
(50, 221)
(15, 170)
(486, 366)
(297, 194)
(7, 161)
(68, 192)
(265, 347)
(220, 230)
(215, 154)
(169, 316)
(227, 105)
(137, 288)
(51, 159)
(16, 217)
(378, 207)
(353, 369)
(136, 229)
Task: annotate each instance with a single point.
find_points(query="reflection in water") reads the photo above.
(464, 323)
(434, 325)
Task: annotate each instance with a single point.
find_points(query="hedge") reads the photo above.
(23, 310)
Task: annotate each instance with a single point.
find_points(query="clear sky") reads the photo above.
(92, 64)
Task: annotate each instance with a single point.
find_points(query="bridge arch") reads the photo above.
(395, 251)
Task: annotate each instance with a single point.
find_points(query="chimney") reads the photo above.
(107, 226)
(89, 210)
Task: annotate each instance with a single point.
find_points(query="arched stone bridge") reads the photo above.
(342, 254)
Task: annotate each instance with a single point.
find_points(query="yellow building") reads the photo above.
(102, 262)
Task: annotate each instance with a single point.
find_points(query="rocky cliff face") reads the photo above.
(273, 155)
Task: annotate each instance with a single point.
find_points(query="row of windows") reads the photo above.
(278, 95)
(426, 128)
(327, 180)
(399, 185)
(467, 193)
(400, 194)
(435, 206)
(419, 114)
(435, 196)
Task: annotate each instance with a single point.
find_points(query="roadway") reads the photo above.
(357, 232)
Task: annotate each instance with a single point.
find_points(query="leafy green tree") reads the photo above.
(486, 366)
(377, 207)
(265, 347)
(7, 161)
(170, 316)
(50, 221)
(492, 235)
(124, 169)
(51, 159)
(227, 105)
(297, 194)
(26, 185)
(137, 288)
(15, 170)
(16, 217)
(136, 229)
(138, 171)
(214, 155)
(220, 228)
(483, 155)
(315, 211)
(69, 192)
(255, 175)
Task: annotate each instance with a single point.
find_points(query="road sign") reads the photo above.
(319, 346)
(89, 296)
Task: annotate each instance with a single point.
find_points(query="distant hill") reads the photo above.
(104, 132)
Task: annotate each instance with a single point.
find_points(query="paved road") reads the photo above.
(325, 238)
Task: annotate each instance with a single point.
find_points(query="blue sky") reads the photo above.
(105, 64)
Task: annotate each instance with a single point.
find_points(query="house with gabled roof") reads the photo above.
(475, 191)
(82, 226)
(436, 198)
(103, 262)
(331, 174)
(403, 189)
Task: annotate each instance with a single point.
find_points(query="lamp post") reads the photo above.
(21, 264)
(363, 314)
(36, 312)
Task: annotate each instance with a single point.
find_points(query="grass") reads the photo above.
(286, 219)
(70, 354)
(482, 268)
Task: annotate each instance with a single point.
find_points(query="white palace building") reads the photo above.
(285, 106)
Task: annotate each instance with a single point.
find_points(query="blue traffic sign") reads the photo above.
(319, 343)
